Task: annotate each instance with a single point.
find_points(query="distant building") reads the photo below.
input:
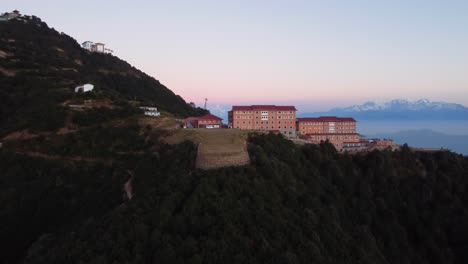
(337, 130)
(362, 145)
(95, 47)
(150, 111)
(206, 121)
(84, 88)
(88, 45)
(99, 47)
(383, 143)
(7, 16)
(264, 117)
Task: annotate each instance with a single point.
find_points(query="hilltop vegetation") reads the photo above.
(39, 67)
(293, 204)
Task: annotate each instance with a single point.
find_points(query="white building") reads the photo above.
(150, 111)
(87, 45)
(84, 88)
(7, 16)
(99, 47)
(95, 47)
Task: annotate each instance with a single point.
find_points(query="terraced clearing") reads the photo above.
(216, 147)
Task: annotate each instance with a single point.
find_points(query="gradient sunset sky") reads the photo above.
(314, 54)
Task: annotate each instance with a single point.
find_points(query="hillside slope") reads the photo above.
(293, 204)
(39, 67)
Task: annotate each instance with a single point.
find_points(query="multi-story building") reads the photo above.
(264, 117)
(336, 130)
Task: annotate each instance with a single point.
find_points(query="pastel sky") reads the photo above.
(315, 54)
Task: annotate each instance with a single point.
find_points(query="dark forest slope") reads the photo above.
(39, 67)
(294, 204)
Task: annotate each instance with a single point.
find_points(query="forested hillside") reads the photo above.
(98, 184)
(39, 68)
(293, 204)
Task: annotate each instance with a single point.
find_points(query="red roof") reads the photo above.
(205, 117)
(264, 107)
(326, 119)
(209, 117)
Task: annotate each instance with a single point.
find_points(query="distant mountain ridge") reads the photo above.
(401, 109)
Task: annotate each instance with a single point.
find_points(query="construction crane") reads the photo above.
(206, 100)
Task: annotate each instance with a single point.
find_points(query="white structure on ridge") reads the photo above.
(7, 16)
(150, 111)
(84, 88)
(95, 47)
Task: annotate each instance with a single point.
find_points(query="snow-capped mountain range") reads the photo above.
(402, 105)
(400, 109)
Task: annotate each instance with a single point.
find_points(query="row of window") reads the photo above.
(321, 128)
(264, 112)
(262, 117)
(334, 137)
(264, 122)
(264, 127)
(209, 122)
(321, 123)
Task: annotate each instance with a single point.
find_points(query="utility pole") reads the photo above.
(206, 100)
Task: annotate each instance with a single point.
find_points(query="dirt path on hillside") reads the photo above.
(66, 158)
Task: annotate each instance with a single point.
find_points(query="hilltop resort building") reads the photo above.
(264, 117)
(337, 130)
(206, 121)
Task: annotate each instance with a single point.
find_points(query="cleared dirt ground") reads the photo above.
(216, 147)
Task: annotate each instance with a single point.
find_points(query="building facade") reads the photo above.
(206, 121)
(7, 16)
(338, 131)
(84, 88)
(264, 117)
(150, 111)
(95, 47)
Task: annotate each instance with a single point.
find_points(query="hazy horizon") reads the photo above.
(309, 53)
